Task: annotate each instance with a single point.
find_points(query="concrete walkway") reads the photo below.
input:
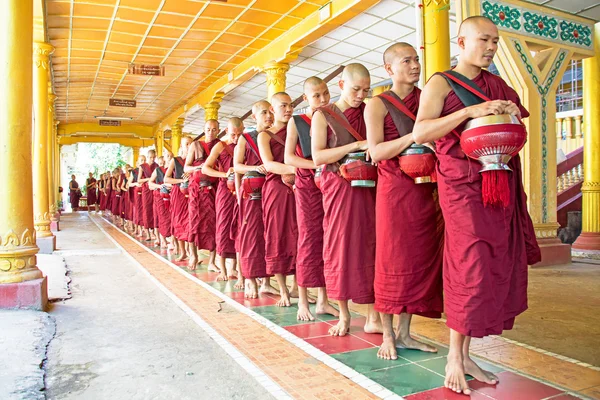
(120, 337)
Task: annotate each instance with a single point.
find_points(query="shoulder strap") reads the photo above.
(253, 146)
(275, 137)
(342, 121)
(226, 148)
(466, 90)
(303, 124)
(205, 148)
(399, 105)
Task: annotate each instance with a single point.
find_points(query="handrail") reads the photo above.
(574, 158)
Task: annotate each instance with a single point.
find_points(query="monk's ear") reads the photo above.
(388, 69)
(341, 84)
(304, 97)
(461, 42)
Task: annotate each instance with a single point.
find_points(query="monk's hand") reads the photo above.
(362, 145)
(431, 145)
(230, 171)
(494, 107)
(261, 169)
(512, 109)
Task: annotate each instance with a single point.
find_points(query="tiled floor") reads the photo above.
(415, 375)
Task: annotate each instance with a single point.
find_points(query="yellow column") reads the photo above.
(176, 134)
(135, 154)
(41, 57)
(158, 143)
(588, 243)
(436, 36)
(211, 111)
(275, 78)
(17, 235)
(50, 151)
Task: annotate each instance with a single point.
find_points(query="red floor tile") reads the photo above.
(332, 345)
(310, 329)
(446, 394)
(354, 322)
(261, 301)
(511, 383)
(374, 338)
(565, 397)
(205, 276)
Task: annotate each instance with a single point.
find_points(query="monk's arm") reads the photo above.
(320, 153)
(141, 173)
(238, 159)
(152, 182)
(272, 166)
(191, 156)
(209, 165)
(291, 141)
(123, 186)
(169, 174)
(379, 149)
(71, 186)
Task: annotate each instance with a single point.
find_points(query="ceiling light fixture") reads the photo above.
(114, 118)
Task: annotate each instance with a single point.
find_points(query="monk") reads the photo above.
(309, 203)
(116, 196)
(487, 248)
(349, 221)
(91, 186)
(176, 177)
(279, 204)
(161, 213)
(101, 193)
(133, 188)
(145, 172)
(251, 234)
(74, 193)
(409, 229)
(219, 164)
(109, 192)
(124, 197)
(202, 213)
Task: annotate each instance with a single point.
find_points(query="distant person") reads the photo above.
(74, 194)
(91, 186)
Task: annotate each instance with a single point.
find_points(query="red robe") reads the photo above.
(349, 229)
(74, 195)
(251, 233)
(161, 211)
(116, 198)
(202, 212)
(91, 193)
(409, 235)
(224, 204)
(486, 249)
(309, 214)
(109, 195)
(179, 205)
(147, 197)
(101, 196)
(279, 217)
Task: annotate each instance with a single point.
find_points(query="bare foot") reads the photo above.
(156, 243)
(387, 351)
(267, 288)
(295, 295)
(327, 309)
(221, 277)
(239, 284)
(213, 268)
(455, 376)
(373, 327)
(251, 291)
(193, 263)
(284, 301)
(410, 343)
(341, 329)
(182, 257)
(476, 372)
(304, 313)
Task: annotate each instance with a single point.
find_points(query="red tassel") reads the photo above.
(494, 188)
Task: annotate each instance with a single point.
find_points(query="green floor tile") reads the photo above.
(416, 355)
(439, 365)
(284, 319)
(364, 361)
(406, 379)
(225, 287)
(275, 310)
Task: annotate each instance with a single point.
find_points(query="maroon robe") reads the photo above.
(202, 212)
(147, 197)
(161, 201)
(109, 195)
(251, 233)
(279, 217)
(92, 199)
(74, 195)
(115, 207)
(486, 249)
(225, 203)
(101, 195)
(409, 233)
(349, 227)
(179, 205)
(124, 196)
(309, 214)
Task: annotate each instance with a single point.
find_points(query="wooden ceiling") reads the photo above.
(196, 41)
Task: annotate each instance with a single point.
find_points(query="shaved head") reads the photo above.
(313, 81)
(470, 25)
(355, 71)
(260, 105)
(236, 122)
(393, 51)
(261, 113)
(280, 97)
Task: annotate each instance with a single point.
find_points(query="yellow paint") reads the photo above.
(41, 55)
(158, 143)
(284, 49)
(211, 110)
(50, 153)
(123, 141)
(176, 134)
(275, 72)
(591, 140)
(135, 155)
(17, 234)
(436, 36)
(139, 131)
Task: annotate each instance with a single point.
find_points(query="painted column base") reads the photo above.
(46, 244)
(29, 294)
(55, 226)
(587, 245)
(554, 252)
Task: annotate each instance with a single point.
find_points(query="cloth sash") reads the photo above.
(336, 120)
(251, 139)
(303, 124)
(146, 170)
(160, 176)
(403, 118)
(178, 167)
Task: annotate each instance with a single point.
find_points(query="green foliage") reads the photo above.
(97, 158)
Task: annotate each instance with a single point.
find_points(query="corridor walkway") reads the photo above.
(306, 363)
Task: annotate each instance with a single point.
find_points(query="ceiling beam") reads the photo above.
(123, 141)
(284, 48)
(80, 129)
